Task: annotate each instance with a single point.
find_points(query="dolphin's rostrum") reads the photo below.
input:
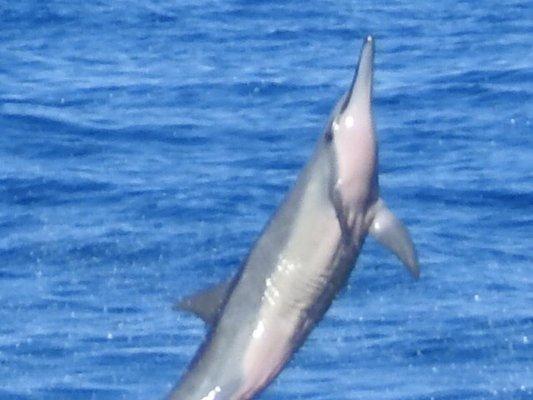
(304, 256)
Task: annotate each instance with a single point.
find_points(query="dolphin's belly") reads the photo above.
(308, 273)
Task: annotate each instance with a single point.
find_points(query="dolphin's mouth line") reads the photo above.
(368, 47)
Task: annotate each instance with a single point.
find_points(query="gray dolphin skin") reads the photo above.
(258, 319)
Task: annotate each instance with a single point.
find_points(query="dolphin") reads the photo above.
(304, 256)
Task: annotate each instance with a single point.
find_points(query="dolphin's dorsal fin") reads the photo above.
(391, 233)
(207, 303)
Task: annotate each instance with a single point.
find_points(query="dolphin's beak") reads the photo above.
(360, 93)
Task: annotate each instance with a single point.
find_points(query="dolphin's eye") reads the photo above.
(332, 130)
(328, 137)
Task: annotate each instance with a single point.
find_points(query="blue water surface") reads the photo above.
(144, 144)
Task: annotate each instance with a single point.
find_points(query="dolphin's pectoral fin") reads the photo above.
(391, 233)
(207, 303)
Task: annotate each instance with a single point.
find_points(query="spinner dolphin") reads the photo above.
(259, 318)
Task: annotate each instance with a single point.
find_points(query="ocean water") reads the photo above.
(143, 145)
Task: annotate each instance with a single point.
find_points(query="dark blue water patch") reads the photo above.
(448, 348)
(138, 359)
(400, 100)
(62, 306)
(520, 394)
(8, 395)
(500, 287)
(61, 151)
(8, 330)
(525, 322)
(123, 310)
(372, 336)
(88, 254)
(67, 292)
(57, 102)
(41, 348)
(18, 255)
(98, 249)
(494, 97)
(98, 139)
(510, 76)
(490, 199)
(456, 394)
(37, 14)
(148, 339)
(11, 276)
(33, 191)
(60, 392)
